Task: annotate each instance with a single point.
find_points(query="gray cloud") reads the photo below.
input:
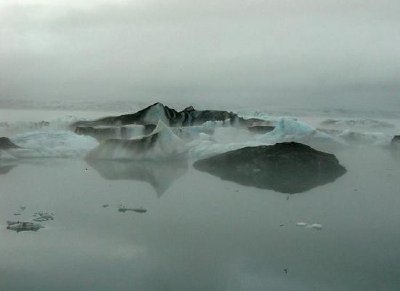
(294, 51)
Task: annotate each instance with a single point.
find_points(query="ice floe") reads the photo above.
(315, 226)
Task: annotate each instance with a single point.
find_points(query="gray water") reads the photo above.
(200, 233)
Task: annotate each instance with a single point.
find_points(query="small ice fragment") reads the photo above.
(302, 224)
(315, 226)
(23, 226)
(139, 210)
(123, 209)
(43, 216)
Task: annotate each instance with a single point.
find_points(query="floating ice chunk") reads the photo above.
(139, 210)
(365, 138)
(43, 216)
(124, 209)
(315, 226)
(357, 123)
(289, 129)
(162, 143)
(52, 143)
(23, 226)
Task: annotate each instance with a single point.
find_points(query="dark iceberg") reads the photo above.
(19, 226)
(396, 141)
(162, 143)
(283, 167)
(120, 132)
(6, 143)
(152, 114)
(115, 126)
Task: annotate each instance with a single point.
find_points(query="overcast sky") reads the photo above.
(288, 51)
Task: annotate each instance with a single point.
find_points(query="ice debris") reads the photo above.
(124, 209)
(23, 226)
(43, 216)
(316, 226)
(39, 216)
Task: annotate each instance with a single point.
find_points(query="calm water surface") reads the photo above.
(200, 233)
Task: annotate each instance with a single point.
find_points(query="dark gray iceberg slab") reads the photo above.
(283, 167)
(19, 226)
(161, 144)
(152, 114)
(122, 132)
(6, 143)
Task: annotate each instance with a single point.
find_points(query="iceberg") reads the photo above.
(161, 144)
(292, 130)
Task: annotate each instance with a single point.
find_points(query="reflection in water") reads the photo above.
(204, 235)
(395, 152)
(160, 175)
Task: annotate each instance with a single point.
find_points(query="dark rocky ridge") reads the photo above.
(284, 167)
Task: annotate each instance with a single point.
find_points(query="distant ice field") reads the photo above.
(45, 133)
